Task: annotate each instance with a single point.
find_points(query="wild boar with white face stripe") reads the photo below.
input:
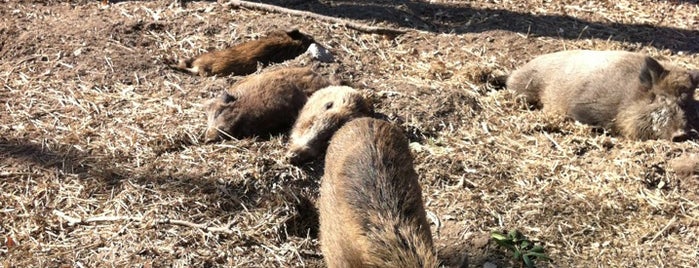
(324, 113)
(628, 93)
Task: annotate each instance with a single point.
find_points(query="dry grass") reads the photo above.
(94, 126)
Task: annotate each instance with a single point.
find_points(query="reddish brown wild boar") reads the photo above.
(261, 104)
(370, 206)
(628, 93)
(324, 113)
(242, 59)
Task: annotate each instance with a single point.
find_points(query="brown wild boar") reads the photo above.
(242, 59)
(261, 104)
(324, 113)
(370, 206)
(628, 93)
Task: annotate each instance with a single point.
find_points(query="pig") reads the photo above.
(627, 93)
(370, 206)
(261, 104)
(324, 113)
(242, 59)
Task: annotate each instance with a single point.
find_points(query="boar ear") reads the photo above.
(295, 34)
(226, 97)
(651, 73)
(367, 104)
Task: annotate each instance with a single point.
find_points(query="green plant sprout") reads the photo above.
(523, 248)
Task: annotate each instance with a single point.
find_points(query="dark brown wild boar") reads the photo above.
(261, 104)
(628, 93)
(370, 205)
(242, 59)
(324, 113)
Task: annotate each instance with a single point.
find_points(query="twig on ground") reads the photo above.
(672, 221)
(76, 221)
(346, 23)
(558, 146)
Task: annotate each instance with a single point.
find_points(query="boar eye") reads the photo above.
(218, 112)
(328, 105)
(226, 98)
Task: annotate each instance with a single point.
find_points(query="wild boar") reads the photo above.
(324, 113)
(628, 93)
(261, 104)
(370, 206)
(242, 59)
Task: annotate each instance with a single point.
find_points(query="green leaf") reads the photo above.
(497, 236)
(503, 242)
(537, 249)
(524, 244)
(540, 256)
(517, 255)
(528, 262)
(513, 234)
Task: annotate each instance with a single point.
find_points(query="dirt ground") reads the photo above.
(95, 127)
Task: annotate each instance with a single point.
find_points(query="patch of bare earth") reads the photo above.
(102, 161)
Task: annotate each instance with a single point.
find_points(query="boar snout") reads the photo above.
(690, 134)
(680, 136)
(212, 135)
(299, 156)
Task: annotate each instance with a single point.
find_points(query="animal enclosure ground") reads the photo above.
(95, 127)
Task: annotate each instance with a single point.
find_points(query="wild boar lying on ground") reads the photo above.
(261, 104)
(324, 113)
(629, 93)
(242, 59)
(370, 205)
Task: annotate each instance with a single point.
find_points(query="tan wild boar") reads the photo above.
(261, 104)
(370, 206)
(242, 59)
(324, 113)
(628, 93)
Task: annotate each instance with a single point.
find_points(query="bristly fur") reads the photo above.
(371, 209)
(628, 93)
(261, 104)
(324, 113)
(243, 58)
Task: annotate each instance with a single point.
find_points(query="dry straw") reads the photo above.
(102, 164)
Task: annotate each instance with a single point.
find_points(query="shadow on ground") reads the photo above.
(234, 194)
(460, 18)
